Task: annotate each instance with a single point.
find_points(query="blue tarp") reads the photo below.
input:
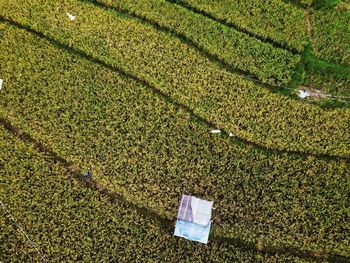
(192, 231)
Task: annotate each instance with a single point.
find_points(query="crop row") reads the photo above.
(269, 64)
(69, 222)
(303, 3)
(213, 37)
(150, 9)
(249, 111)
(317, 3)
(329, 83)
(330, 78)
(324, 67)
(273, 19)
(331, 35)
(152, 151)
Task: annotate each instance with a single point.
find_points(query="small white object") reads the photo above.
(231, 134)
(71, 17)
(1, 81)
(303, 94)
(215, 131)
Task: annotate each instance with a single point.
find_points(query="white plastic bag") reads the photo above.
(71, 17)
(303, 94)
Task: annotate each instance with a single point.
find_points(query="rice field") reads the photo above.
(131, 90)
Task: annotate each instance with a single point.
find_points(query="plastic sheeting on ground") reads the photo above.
(194, 219)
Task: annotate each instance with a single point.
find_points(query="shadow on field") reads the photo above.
(166, 97)
(212, 57)
(226, 23)
(166, 224)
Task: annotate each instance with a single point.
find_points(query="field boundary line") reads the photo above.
(186, 40)
(166, 224)
(166, 97)
(75, 172)
(206, 53)
(234, 26)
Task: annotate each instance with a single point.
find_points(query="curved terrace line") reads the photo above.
(234, 26)
(166, 97)
(231, 25)
(186, 40)
(167, 225)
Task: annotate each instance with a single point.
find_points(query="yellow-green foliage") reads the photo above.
(331, 35)
(306, 2)
(249, 111)
(269, 64)
(152, 151)
(68, 222)
(272, 19)
(329, 83)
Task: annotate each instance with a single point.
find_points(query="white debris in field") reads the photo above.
(1, 81)
(303, 94)
(215, 131)
(71, 17)
(231, 134)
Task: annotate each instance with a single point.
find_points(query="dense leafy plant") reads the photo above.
(272, 19)
(331, 35)
(184, 75)
(307, 2)
(69, 222)
(325, 3)
(117, 93)
(269, 64)
(152, 151)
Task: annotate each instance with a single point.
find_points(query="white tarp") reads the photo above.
(194, 219)
(215, 131)
(1, 81)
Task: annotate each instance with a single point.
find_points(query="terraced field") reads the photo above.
(134, 94)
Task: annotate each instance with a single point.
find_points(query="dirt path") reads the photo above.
(308, 21)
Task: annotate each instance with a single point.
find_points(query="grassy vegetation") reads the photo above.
(239, 50)
(273, 19)
(69, 222)
(326, 58)
(328, 25)
(317, 4)
(329, 83)
(331, 35)
(330, 78)
(148, 149)
(186, 76)
(134, 94)
(326, 4)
